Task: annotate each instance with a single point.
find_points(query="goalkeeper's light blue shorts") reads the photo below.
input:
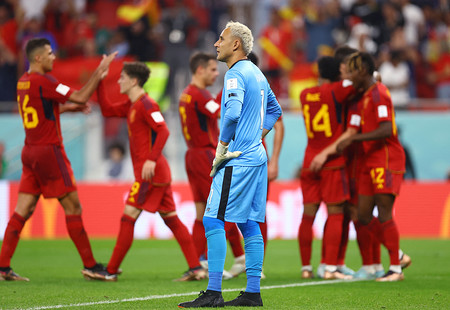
(238, 194)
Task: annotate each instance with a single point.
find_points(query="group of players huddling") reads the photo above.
(353, 162)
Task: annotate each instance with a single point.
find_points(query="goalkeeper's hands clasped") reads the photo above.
(222, 155)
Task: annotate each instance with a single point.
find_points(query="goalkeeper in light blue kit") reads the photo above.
(239, 188)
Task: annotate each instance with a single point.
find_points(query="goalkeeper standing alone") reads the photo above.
(238, 192)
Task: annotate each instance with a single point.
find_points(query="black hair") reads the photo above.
(33, 45)
(329, 68)
(361, 60)
(341, 53)
(137, 70)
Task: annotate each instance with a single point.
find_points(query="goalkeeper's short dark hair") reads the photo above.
(137, 70)
(328, 68)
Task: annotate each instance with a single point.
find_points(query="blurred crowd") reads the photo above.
(410, 39)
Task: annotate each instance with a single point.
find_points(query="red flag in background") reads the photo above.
(75, 72)
(131, 12)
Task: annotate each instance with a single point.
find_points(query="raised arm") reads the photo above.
(82, 96)
(109, 108)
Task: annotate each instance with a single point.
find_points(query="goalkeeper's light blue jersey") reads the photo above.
(248, 106)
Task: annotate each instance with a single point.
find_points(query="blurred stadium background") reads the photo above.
(410, 41)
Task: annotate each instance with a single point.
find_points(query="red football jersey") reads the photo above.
(198, 114)
(38, 97)
(147, 132)
(376, 107)
(323, 116)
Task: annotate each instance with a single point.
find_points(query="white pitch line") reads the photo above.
(271, 287)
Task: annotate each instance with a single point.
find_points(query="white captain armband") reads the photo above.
(62, 89)
(212, 106)
(382, 111)
(157, 117)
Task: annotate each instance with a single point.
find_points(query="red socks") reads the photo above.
(364, 238)
(332, 238)
(375, 228)
(234, 238)
(184, 240)
(198, 235)
(11, 239)
(305, 236)
(79, 237)
(344, 240)
(391, 240)
(123, 243)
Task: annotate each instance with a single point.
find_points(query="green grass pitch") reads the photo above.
(149, 268)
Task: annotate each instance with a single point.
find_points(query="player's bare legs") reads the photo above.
(305, 236)
(26, 204)
(74, 223)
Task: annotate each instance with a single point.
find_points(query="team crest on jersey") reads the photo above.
(132, 115)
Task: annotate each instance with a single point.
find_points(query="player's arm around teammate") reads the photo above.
(384, 162)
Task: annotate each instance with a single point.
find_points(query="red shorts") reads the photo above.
(148, 197)
(198, 163)
(329, 186)
(379, 180)
(46, 170)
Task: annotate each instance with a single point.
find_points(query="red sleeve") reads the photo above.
(53, 90)
(219, 97)
(108, 108)
(353, 115)
(156, 122)
(342, 90)
(383, 104)
(208, 106)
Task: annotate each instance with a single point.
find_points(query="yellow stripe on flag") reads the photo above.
(445, 221)
(276, 53)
